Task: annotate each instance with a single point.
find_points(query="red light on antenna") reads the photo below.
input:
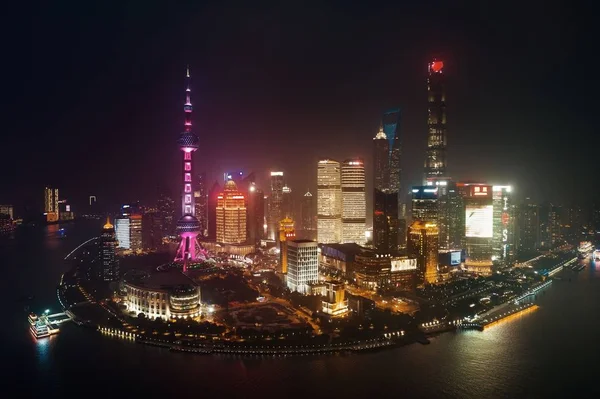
(437, 66)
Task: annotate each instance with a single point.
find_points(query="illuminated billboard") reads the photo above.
(455, 258)
(479, 221)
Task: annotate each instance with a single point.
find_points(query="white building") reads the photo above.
(303, 265)
(329, 202)
(354, 204)
(123, 233)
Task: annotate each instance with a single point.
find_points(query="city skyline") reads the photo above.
(521, 146)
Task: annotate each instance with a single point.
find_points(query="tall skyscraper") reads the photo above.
(385, 197)
(528, 222)
(213, 195)
(135, 232)
(423, 245)
(122, 232)
(188, 226)
(425, 204)
(287, 202)
(275, 204)
(256, 214)
(286, 233)
(231, 215)
(309, 224)
(109, 263)
(503, 222)
(479, 228)
(391, 128)
(201, 202)
(166, 213)
(354, 205)
(303, 265)
(435, 158)
(51, 203)
(329, 202)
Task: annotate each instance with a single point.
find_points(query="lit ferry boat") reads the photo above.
(46, 325)
(585, 249)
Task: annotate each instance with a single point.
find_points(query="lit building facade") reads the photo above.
(275, 204)
(188, 227)
(109, 268)
(335, 304)
(135, 232)
(425, 203)
(435, 158)
(7, 210)
(479, 228)
(51, 202)
(423, 245)
(231, 215)
(286, 233)
(503, 222)
(201, 203)
(122, 231)
(354, 205)
(329, 201)
(164, 295)
(287, 202)
(528, 223)
(303, 265)
(256, 214)
(309, 222)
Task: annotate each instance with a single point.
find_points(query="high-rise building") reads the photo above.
(335, 303)
(503, 222)
(231, 215)
(122, 232)
(166, 213)
(151, 230)
(479, 228)
(329, 201)
(201, 203)
(51, 204)
(286, 233)
(188, 227)
(554, 225)
(354, 205)
(385, 197)
(275, 204)
(453, 217)
(256, 214)
(309, 225)
(109, 263)
(303, 265)
(435, 158)
(135, 232)
(7, 210)
(423, 245)
(425, 204)
(287, 202)
(528, 225)
(213, 195)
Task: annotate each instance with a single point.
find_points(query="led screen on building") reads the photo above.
(479, 221)
(455, 258)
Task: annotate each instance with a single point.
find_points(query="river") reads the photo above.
(551, 352)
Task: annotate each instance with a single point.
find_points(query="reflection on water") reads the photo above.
(540, 354)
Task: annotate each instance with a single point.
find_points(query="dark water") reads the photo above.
(552, 352)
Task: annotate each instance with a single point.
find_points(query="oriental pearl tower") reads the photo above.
(188, 227)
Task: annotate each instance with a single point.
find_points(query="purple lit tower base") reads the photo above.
(189, 249)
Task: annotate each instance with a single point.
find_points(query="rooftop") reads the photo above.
(160, 280)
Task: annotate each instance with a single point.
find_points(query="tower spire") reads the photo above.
(188, 102)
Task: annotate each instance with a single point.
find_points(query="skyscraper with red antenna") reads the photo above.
(188, 227)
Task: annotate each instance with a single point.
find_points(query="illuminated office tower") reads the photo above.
(109, 263)
(231, 215)
(354, 206)
(303, 265)
(51, 204)
(454, 217)
(213, 195)
(423, 245)
(275, 204)
(435, 158)
(528, 222)
(286, 233)
(502, 201)
(135, 232)
(122, 231)
(256, 214)
(385, 199)
(425, 204)
(287, 202)
(479, 228)
(7, 210)
(188, 227)
(309, 224)
(201, 203)
(329, 202)
(166, 212)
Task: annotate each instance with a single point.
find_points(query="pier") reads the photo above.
(46, 324)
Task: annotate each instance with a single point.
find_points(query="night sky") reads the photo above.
(94, 94)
